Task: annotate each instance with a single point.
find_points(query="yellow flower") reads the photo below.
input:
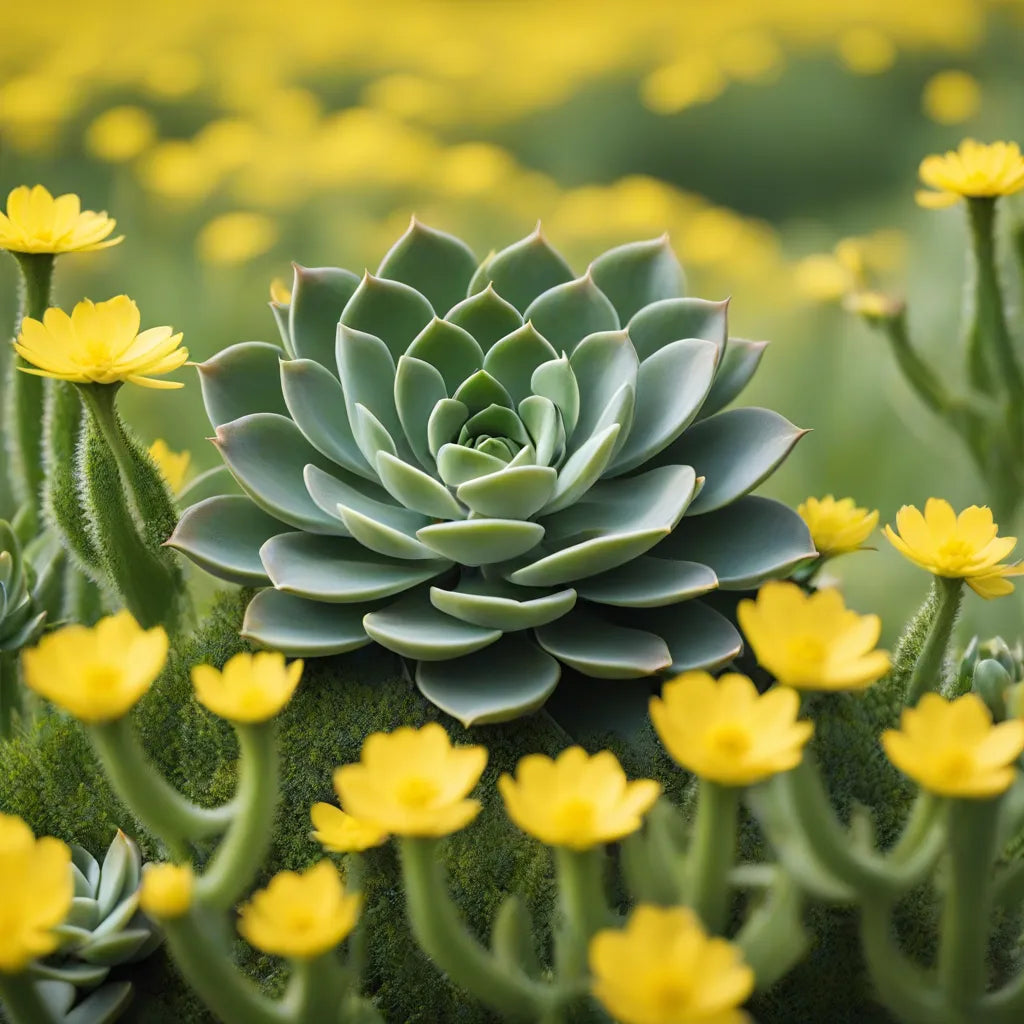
(99, 673)
(663, 968)
(300, 915)
(166, 890)
(173, 466)
(964, 546)
(812, 641)
(280, 292)
(120, 134)
(36, 222)
(872, 305)
(577, 801)
(837, 526)
(100, 343)
(951, 748)
(822, 277)
(725, 731)
(236, 237)
(250, 687)
(339, 832)
(974, 170)
(866, 51)
(35, 893)
(950, 97)
(412, 782)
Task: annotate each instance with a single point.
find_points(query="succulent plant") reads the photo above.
(105, 927)
(995, 671)
(21, 617)
(493, 469)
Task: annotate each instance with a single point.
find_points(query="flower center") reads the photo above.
(576, 815)
(955, 552)
(301, 919)
(96, 352)
(806, 650)
(417, 791)
(955, 765)
(673, 994)
(102, 678)
(730, 739)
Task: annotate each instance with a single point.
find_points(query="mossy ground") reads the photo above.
(52, 780)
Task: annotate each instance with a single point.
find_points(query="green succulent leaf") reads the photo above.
(745, 543)
(266, 454)
(495, 421)
(510, 679)
(555, 381)
(414, 628)
(498, 605)
(515, 492)
(513, 358)
(279, 311)
(297, 627)
(671, 385)
(603, 649)
(438, 265)
(117, 947)
(738, 365)
(637, 274)
(371, 435)
(479, 391)
(445, 422)
(649, 582)
(586, 558)
(419, 389)
(103, 1006)
(481, 541)
(541, 418)
(115, 874)
(367, 373)
(458, 464)
(88, 867)
(582, 469)
(416, 490)
(734, 450)
(224, 535)
(603, 364)
(455, 354)
(316, 402)
(661, 323)
(485, 316)
(567, 313)
(697, 636)
(83, 889)
(84, 913)
(241, 380)
(319, 294)
(388, 310)
(522, 271)
(57, 996)
(339, 570)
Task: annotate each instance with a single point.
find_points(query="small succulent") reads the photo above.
(21, 617)
(494, 470)
(105, 927)
(995, 671)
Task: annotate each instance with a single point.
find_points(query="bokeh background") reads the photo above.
(229, 138)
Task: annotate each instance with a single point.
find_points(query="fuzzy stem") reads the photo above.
(963, 946)
(244, 847)
(583, 907)
(443, 937)
(927, 674)
(148, 795)
(317, 988)
(21, 1000)
(150, 586)
(10, 693)
(713, 852)
(202, 955)
(921, 377)
(24, 392)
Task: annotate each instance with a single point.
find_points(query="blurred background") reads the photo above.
(229, 138)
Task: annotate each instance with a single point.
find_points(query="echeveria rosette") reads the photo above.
(494, 469)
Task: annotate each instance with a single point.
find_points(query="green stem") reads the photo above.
(316, 990)
(150, 585)
(927, 674)
(921, 377)
(583, 907)
(773, 938)
(24, 392)
(713, 852)
(243, 849)
(21, 1000)
(355, 882)
(989, 341)
(148, 795)
(963, 944)
(202, 954)
(10, 693)
(443, 937)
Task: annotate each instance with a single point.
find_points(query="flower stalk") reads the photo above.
(583, 907)
(713, 852)
(927, 673)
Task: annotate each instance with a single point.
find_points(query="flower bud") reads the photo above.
(991, 682)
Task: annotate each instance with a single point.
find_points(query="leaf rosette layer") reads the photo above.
(495, 470)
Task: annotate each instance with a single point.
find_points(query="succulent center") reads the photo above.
(417, 792)
(730, 739)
